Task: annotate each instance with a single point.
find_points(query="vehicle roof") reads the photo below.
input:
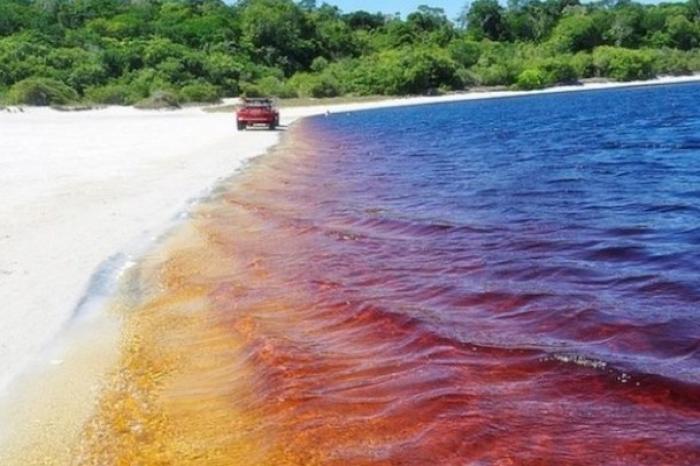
(257, 101)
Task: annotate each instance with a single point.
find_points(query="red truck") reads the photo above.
(257, 111)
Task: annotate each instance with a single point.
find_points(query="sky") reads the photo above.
(452, 7)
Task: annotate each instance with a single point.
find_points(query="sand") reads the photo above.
(84, 194)
(80, 188)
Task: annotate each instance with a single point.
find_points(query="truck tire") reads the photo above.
(241, 126)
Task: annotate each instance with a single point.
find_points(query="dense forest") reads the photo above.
(125, 51)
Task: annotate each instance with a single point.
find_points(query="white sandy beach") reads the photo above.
(77, 188)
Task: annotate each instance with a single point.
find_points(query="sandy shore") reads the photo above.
(83, 194)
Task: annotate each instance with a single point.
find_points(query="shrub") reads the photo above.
(494, 75)
(200, 92)
(467, 77)
(465, 52)
(315, 85)
(582, 63)
(273, 86)
(623, 64)
(251, 90)
(41, 91)
(426, 70)
(694, 60)
(110, 94)
(674, 62)
(532, 78)
(319, 64)
(224, 71)
(145, 82)
(558, 71)
(159, 100)
(325, 86)
(85, 75)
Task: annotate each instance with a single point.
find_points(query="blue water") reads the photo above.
(587, 204)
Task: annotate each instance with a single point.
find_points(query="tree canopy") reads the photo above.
(124, 51)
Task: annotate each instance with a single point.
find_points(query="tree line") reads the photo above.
(125, 51)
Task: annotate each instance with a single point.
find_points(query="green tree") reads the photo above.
(684, 34)
(278, 33)
(694, 9)
(484, 19)
(362, 20)
(124, 51)
(626, 29)
(465, 52)
(575, 33)
(13, 17)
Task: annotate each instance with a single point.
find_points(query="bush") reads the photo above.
(273, 86)
(159, 100)
(672, 62)
(494, 75)
(319, 64)
(393, 72)
(325, 86)
(532, 78)
(426, 70)
(582, 63)
(315, 85)
(145, 82)
(558, 71)
(465, 52)
(222, 70)
(42, 92)
(85, 75)
(623, 64)
(467, 78)
(693, 58)
(200, 92)
(110, 94)
(251, 90)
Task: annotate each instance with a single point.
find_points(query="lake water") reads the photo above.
(496, 282)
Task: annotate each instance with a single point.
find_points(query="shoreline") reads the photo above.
(109, 179)
(488, 95)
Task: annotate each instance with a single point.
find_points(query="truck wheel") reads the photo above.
(241, 126)
(273, 126)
